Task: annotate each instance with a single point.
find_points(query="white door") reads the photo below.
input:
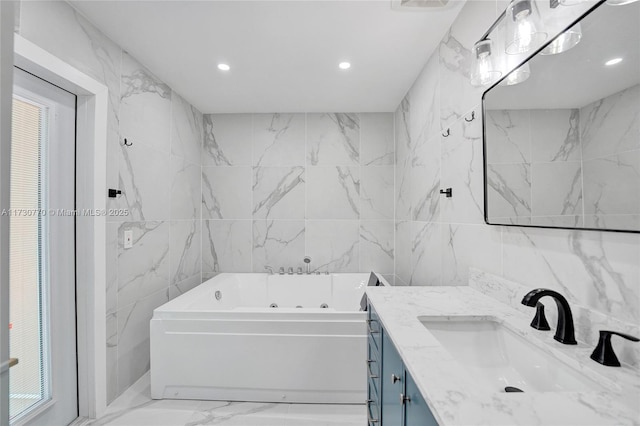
(42, 308)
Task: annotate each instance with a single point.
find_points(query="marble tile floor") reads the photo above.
(136, 408)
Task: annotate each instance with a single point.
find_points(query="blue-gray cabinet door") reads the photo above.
(416, 410)
(392, 383)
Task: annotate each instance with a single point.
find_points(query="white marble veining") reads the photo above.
(285, 173)
(612, 184)
(136, 408)
(556, 189)
(587, 321)
(510, 132)
(426, 253)
(159, 176)
(376, 246)
(185, 189)
(226, 192)
(462, 170)
(555, 135)
(133, 337)
(376, 139)
(143, 269)
(376, 192)
(509, 190)
(145, 106)
(598, 270)
(226, 246)
(278, 193)
(425, 178)
(333, 245)
(279, 139)
(611, 125)
(464, 245)
(333, 139)
(186, 130)
(185, 250)
(587, 156)
(403, 252)
(278, 243)
(451, 393)
(227, 140)
(333, 192)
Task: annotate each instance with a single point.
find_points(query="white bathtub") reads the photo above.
(238, 348)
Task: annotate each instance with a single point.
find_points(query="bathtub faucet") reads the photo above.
(269, 268)
(307, 260)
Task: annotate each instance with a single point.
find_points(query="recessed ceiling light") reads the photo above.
(224, 67)
(613, 61)
(344, 65)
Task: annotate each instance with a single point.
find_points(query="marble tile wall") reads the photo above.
(438, 239)
(610, 136)
(278, 187)
(535, 167)
(567, 167)
(159, 175)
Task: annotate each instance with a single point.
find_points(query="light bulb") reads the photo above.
(524, 27)
(524, 30)
(483, 70)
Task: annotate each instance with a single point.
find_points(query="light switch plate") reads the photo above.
(128, 239)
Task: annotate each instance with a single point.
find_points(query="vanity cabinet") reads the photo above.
(393, 397)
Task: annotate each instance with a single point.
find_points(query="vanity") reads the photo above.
(446, 356)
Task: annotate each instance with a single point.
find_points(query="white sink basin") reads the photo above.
(496, 357)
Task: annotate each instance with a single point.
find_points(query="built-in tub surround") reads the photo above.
(439, 238)
(457, 396)
(277, 187)
(281, 344)
(159, 175)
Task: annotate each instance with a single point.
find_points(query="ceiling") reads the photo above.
(579, 76)
(283, 55)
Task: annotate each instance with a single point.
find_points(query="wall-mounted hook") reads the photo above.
(473, 116)
(448, 192)
(446, 134)
(127, 143)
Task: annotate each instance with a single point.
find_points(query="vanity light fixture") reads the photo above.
(224, 67)
(565, 41)
(483, 65)
(516, 76)
(613, 61)
(344, 65)
(524, 27)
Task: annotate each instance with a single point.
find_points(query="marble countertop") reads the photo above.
(453, 396)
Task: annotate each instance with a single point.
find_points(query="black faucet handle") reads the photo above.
(540, 320)
(604, 353)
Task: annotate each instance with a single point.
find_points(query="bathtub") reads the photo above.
(227, 340)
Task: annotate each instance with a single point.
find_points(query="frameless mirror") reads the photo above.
(562, 149)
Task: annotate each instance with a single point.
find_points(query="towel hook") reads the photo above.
(127, 143)
(446, 134)
(473, 116)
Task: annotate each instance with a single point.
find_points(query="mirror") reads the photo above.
(562, 149)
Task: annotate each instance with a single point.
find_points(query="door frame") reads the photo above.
(91, 172)
(6, 100)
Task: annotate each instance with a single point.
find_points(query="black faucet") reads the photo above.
(564, 329)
